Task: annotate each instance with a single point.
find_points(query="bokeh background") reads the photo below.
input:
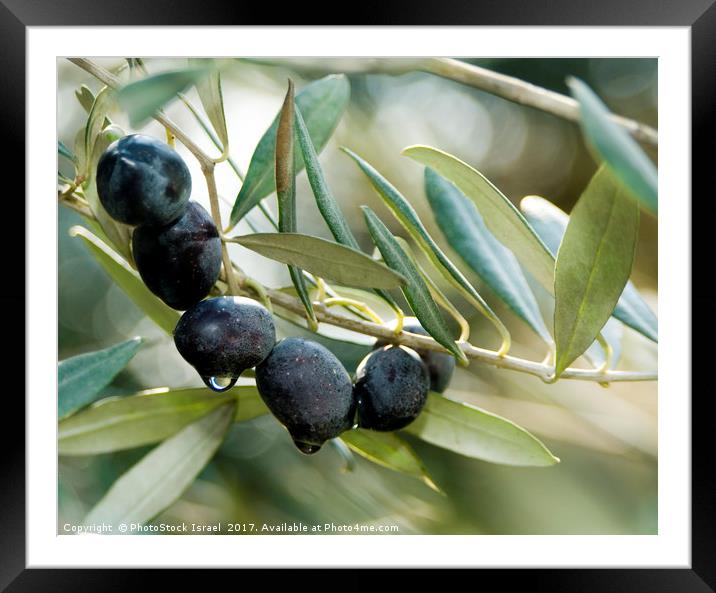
(606, 438)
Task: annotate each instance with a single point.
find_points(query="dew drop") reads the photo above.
(306, 448)
(219, 384)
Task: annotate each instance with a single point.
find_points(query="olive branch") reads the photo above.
(239, 284)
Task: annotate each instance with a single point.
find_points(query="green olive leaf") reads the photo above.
(616, 147)
(128, 280)
(85, 97)
(415, 289)
(499, 214)
(212, 99)
(408, 218)
(161, 476)
(80, 379)
(126, 422)
(550, 222)
(104, 104)
(322, 104)
(471, 431)
(467, 234)
(594, 262)
(327, 204)
(143, 98)
(323, 258)
(286, 193)
(388, 450)
(64, 151)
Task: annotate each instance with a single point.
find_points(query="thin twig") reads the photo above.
(216, 215)
(325, 315)
(524, 93)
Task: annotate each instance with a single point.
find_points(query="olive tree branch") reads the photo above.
(325, 315)
(509, 88)
(524, 93)
(541, 370)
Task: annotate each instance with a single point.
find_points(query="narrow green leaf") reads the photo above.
(499, 214)
(81, 378)
(388, 450)
(327, 204)
(104, 103)
(128, 280)
(64, 151)
(143, 98)
(474, 432)
(614, 144)
(408, 217)
(415, 290)
(85, 97)
(323, 258)
(550, 222)
(148, 417)
(286, 193)
(435, 292)
(161, 476)
(467, 234)
(633, 311)
(212, 99)
(593, 264)
(79, 146)
(322, 104)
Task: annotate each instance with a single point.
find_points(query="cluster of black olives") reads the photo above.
(144, 183)
(177, 249)
(303, 384)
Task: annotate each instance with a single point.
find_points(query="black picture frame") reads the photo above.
(17, 15)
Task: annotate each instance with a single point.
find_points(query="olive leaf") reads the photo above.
(148, 417)
(104, 103)
(85, 97)
(326, 202)
(212, 99)
(128, 280)
(161, 476)
(501, 217)
(323, 258)
(64, 151)
(408, 218)
(471, 431)
(388, 450)
(615, 146)
(594, 262)
(286, 193)
(80, 379)
(467, 234)
(143, 98)
(550, 222)
(415, 290)
(322, 104)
